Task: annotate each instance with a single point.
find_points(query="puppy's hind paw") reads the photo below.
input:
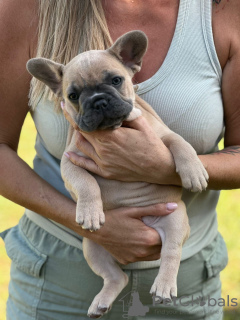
(163, 290)
(98, 309)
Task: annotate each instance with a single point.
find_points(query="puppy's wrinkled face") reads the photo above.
(96, 85)
(97, 90)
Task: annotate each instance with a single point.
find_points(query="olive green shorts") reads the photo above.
(51, 280)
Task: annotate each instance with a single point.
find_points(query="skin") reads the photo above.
(19, 183)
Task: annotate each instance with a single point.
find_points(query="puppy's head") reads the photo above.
(96, 85)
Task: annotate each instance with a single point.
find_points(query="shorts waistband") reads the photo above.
(54, 229)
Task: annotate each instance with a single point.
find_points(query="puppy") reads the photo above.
(98, 94)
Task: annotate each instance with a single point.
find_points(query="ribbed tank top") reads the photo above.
(186, 93)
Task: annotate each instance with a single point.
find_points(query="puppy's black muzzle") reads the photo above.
(103, 110)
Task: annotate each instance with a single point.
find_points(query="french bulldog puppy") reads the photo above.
(97, 90)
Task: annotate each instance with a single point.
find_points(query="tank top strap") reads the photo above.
(206, 13)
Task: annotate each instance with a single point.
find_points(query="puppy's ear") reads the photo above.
(130, 49)
(48, 72)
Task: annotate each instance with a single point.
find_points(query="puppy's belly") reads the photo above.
(116, 194)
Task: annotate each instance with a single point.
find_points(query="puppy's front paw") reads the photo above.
(90, 218)
(193, 175)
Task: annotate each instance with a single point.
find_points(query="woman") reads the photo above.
(193, 90)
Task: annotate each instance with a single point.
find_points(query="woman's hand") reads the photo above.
(126, 237)
(133, 153)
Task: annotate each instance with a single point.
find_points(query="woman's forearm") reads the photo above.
(223, 168)
(20, 184)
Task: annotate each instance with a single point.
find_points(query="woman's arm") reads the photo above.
(224, 166)
(19, 183)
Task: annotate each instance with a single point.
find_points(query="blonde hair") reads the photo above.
(67, 27)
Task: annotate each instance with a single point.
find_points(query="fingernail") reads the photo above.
(66, 154)
(171, 206)
(62, 104)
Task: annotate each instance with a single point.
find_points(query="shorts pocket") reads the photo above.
(27, 258)
(218, 259)
(27, 275)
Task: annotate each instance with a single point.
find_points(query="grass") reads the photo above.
(228, 217)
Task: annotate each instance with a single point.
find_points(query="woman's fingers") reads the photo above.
(90, 163)
(83, 162)
(139, 124)
(160, 209)
(85, 146)
(152, 257)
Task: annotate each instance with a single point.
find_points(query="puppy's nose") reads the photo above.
(100, 104)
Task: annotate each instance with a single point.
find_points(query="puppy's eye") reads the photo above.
(116, 81)
(73, 96)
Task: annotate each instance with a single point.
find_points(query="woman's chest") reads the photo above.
(160, 27)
